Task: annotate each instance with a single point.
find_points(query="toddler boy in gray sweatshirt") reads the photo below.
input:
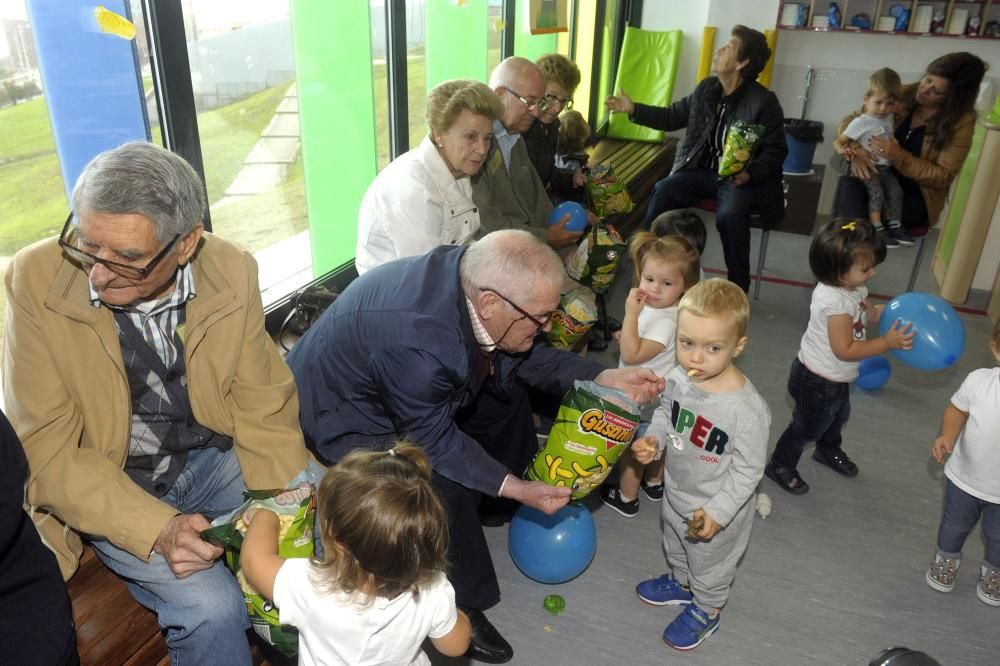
(712, 425)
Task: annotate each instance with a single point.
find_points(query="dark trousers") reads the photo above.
(687, 187)
(961, 511)
(851, 200)
(821, 409)
(504, 428)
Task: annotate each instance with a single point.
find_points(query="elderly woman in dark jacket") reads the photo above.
(707, 113)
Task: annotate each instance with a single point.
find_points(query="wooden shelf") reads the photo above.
(986, 10)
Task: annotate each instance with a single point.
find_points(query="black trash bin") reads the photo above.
(801, 137)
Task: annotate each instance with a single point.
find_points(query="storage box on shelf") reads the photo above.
(977, 19)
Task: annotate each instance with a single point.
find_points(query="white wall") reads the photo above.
(842, 63)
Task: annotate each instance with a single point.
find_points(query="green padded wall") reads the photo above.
(333, 71)
(646, 71)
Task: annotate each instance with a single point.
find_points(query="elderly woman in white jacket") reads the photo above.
(423, 198)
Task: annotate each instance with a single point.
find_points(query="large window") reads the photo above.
(32, 196)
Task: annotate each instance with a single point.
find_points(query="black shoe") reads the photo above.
(836, 460)
(786, 477)
(495, 519)
(487, 645)
(597, 340)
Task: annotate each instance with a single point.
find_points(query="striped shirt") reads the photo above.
(158, 319)
(505, 140)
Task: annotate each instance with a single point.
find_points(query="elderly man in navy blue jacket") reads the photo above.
(408, 349)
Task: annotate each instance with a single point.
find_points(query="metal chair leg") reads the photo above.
(761, 255)
(916, 264)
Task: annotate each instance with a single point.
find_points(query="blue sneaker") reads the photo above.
(690, 628)
(663, 591)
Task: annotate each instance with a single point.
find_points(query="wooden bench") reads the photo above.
(112, 628)
(640, 165)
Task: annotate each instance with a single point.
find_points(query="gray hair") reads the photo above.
(512, 261)
(142, 178)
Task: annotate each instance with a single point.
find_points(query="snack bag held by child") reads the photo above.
(574, 317)
(295, 540)
(742, 140)
(608, 194)
(594, 426)
(596, 258)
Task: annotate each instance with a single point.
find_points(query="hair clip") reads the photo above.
(392, 452)
(850, 226)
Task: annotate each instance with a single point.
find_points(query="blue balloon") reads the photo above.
(552, 549)
(873, 373)
(940, 335)
(577, 215)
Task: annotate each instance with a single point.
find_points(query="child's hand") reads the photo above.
(900, 338)
(644, 449)
(875, 313)
(709, 527)
(634, 302)
(617, 336)
(942, 446)
(579, 180)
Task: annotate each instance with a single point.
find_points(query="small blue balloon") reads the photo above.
(940, 335)
(577, 215)
(552, 549)
(873, 373)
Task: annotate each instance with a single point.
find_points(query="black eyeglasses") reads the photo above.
(540, 323)
(565, 103)
(539, 104)
(70, 240)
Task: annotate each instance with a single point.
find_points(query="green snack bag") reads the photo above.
(608, 194)
(742, 141)
(295, 539)
(574, 317)
(597, 257)
(594, 426)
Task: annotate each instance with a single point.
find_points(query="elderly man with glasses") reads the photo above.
(507, 189)
(411, 348)
(147, 393)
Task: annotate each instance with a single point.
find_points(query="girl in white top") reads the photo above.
(842, 256)
(423, 198)
(381, 589)
(970, 434)
(665, 268)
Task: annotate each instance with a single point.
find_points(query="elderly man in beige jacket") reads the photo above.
(146, 392)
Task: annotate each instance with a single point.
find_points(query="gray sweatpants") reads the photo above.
(708, 567)
(885, 195)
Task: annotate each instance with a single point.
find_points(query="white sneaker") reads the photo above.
(988, 589)
(941, 574)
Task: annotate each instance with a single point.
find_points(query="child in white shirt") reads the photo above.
(842, 256)
(970, 436)
(381, 589)
(665, 268)
(877, 120)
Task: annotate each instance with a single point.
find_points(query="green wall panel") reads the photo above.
(333, 67)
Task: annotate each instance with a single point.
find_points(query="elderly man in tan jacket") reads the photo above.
(146, 392)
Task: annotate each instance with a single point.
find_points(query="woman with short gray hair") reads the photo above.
(423, 198)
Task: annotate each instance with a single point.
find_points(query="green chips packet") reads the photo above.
(608, 194)
(596, 258)
(742, 141)
(574, 317)
(594, 426)
(295, 539)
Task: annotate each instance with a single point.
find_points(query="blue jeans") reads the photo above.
(961, 511)
(687, 187)
(203, 615)
(821, 409)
